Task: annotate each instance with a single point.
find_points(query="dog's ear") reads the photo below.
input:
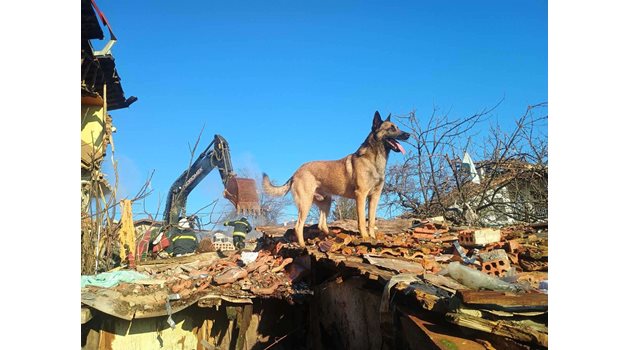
(389, 117)
(377, 121)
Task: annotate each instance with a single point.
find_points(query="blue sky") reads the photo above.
(292, 81)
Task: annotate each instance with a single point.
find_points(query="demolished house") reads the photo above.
(101, 92)
(500, 193)
(419, 284)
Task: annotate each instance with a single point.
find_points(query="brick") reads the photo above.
(513, 246)
(480, 237)
(495, 263)
(496, 254)
(425, 236)
(496, 268)
(424, 230)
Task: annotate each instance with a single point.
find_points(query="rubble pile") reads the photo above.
(182, 281)
(488, 280)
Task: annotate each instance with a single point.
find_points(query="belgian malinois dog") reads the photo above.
(360, 176)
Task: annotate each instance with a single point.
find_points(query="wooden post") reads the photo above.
(242, 320)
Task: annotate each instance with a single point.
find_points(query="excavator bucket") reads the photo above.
(242, 193)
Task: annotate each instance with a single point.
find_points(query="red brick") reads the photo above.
(513, 246)
(424, 230)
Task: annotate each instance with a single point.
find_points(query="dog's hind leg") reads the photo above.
(303, 202)
(324, 209)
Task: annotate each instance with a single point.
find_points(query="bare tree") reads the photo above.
(344, 208)
(434, 180)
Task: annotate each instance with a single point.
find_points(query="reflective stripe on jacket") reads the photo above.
(241, 228)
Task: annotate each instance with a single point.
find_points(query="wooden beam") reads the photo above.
(243, 319)
(504, 299)
(518, 330)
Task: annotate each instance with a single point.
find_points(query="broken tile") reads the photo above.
(343, 238)
(230, 275)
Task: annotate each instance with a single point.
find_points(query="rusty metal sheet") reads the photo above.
(444, 338)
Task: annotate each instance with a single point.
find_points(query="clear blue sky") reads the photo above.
(294, 81)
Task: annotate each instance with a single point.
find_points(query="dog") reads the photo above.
(359, 176)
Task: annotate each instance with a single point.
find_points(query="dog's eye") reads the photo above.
(392, 128)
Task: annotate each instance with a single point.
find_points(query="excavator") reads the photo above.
(241, 192)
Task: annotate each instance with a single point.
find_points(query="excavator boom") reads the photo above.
(239, 191)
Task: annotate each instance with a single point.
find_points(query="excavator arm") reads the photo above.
(240, 191)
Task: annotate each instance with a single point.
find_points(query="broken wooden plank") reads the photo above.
(243, 319)
(184, 259)
(504, 299)
(398, 265)
(425, 295)
(86, 315)
(526, 331)
(211, 300)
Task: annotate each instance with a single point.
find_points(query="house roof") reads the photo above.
(90, 28)
(99, 70)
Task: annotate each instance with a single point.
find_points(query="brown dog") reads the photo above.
(360, 176)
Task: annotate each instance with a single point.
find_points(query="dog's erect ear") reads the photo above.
(377, 121)
(389, 117)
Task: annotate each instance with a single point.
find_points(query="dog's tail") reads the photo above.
(277, 191)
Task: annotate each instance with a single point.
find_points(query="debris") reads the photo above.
(479, 237)
(477, 279)
(398, 265)
(495, 262)
(111, 279)
(206, 245)
(461, 254)
(248, 257)
(230, 275)
(543, 286)
(282, 265)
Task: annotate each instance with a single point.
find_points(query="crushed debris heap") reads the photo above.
(418, 283)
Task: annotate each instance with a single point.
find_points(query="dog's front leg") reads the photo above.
(361, 196)
(373, 204)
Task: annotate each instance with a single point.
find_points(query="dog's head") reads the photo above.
(388, 132)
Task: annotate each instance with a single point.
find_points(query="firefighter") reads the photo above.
(183, 238)
(241, 229)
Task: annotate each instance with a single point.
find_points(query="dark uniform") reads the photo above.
(241, 229)
(183, 239)
(184, 242)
